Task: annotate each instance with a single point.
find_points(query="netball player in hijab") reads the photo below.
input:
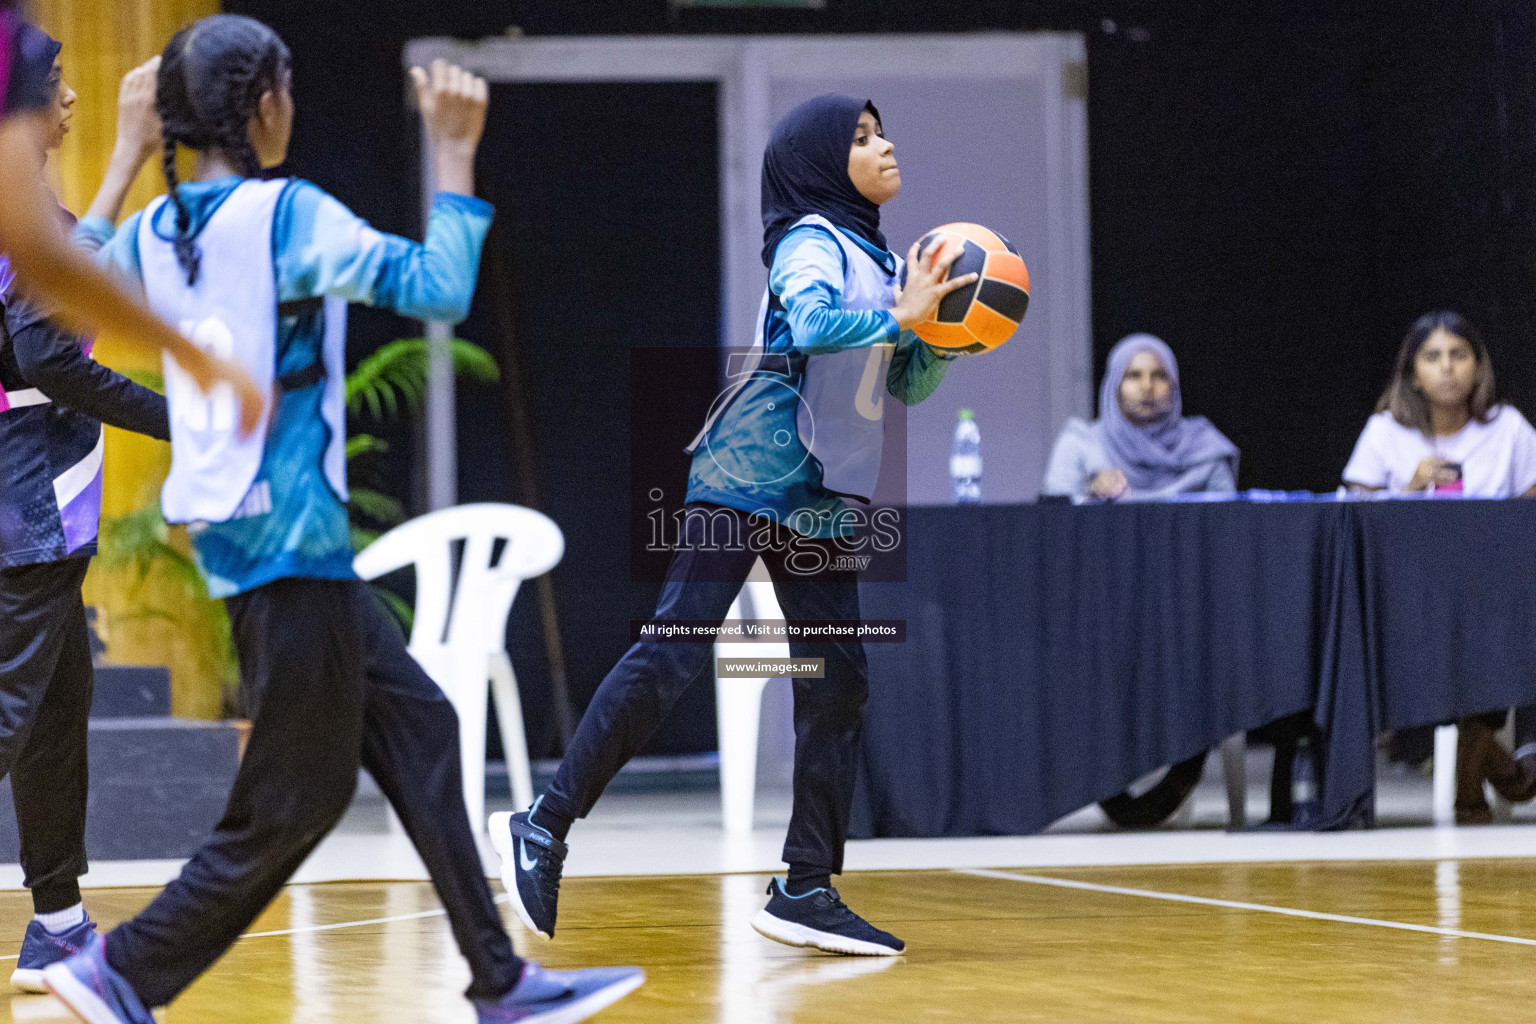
(831, 338)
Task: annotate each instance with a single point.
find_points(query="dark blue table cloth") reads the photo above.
(1056, 653)
(1449, 599)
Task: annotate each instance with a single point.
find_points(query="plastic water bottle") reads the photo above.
(965, 460)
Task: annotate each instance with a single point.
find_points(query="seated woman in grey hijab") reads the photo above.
(1142, 447)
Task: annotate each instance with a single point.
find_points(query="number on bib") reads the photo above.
(194, 409)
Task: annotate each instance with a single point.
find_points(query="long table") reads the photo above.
(1056, 653)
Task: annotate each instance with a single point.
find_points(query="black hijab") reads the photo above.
(805, 170)
(49, 48)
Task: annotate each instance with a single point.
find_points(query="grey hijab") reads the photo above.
(1155, 455)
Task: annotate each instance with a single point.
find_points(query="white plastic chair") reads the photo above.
(739, 703)
(459, 634)
(1443, 790)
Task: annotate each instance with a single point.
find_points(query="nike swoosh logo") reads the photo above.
(522, 856)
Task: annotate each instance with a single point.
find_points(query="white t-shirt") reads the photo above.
(1498, 458)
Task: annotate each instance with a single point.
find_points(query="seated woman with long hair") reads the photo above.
(1439, 427)
(1142, 446)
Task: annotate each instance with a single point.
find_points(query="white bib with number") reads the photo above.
(842, 411)
(231, 312)
(840, 417)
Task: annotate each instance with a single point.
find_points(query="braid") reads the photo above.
(178, 125)
(187, 253)
(212, 76)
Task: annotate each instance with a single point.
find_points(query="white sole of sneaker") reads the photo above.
(78, 999)
(26, 979)
(585, 1007)
(791, 934)
(501, 841)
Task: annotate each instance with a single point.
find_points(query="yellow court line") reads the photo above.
(1068, 883)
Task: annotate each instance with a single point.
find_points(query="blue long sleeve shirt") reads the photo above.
(319, 248)
(741, 466)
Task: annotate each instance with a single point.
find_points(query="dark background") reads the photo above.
(1277, 189)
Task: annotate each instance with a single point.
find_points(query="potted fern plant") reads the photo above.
(155, 558)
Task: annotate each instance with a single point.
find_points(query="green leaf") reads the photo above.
(140, 541)
(365, 444)
(377, 506)
(396, 375)
(474, 363)
(361, 538)
(135, 541)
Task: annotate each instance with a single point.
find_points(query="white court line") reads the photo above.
(346, 924)
(1067, 883)
(439, 912)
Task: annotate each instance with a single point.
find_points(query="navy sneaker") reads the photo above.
(91, 990)
(41, 947)
(559, 997)
(821, 920)
(531, 863)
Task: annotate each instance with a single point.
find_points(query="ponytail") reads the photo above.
(212, 76)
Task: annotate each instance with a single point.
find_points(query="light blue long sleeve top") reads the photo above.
(320, 248)
(740, 466)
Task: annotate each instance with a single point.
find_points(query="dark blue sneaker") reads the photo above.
(532, 861)
(821, 920)
(41, 947)
(559, 997)
(92, 990)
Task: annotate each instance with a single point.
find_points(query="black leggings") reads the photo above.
(329, 686)
(45, 706)
(634, 698)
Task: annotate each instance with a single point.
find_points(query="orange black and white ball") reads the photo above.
(983, 315)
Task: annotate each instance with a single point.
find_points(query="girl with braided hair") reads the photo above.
(260, 272)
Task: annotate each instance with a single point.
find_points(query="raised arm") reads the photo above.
(334, 252)
(80, 294)
(453, 104)
(138, 138)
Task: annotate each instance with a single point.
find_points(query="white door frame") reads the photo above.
(742, 67)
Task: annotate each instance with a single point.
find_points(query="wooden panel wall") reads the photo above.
(103, 39)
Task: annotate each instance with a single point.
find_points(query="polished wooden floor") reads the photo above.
(982, 948)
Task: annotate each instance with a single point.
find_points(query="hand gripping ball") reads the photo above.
(983, 315)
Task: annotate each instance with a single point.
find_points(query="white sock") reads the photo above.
(61, 921)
